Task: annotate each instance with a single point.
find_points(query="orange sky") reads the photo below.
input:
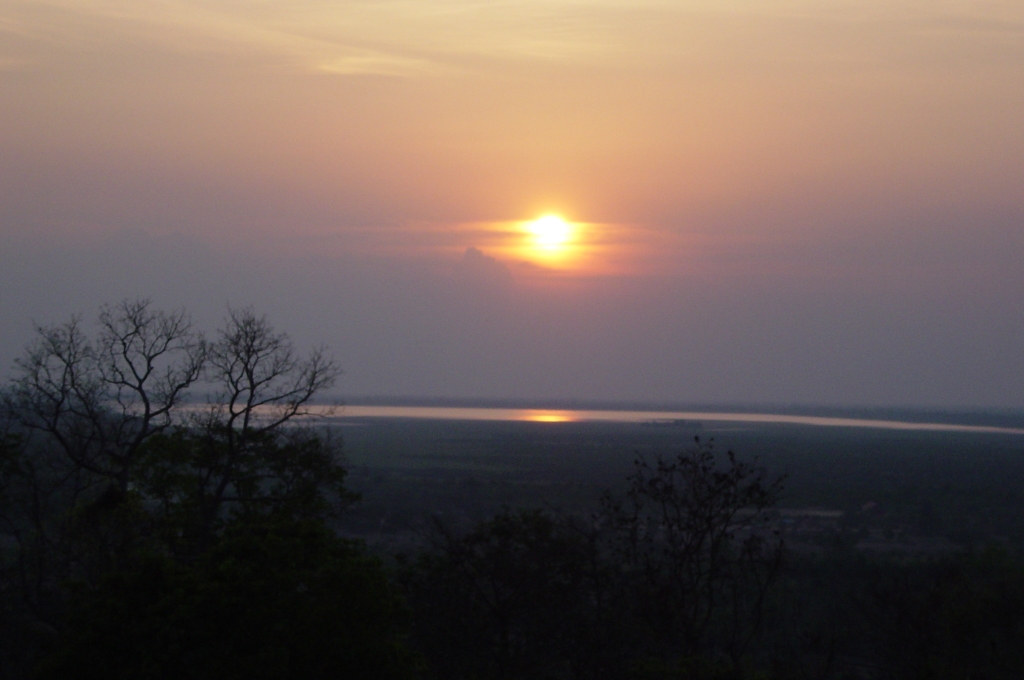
(872, 142)
(446, 112)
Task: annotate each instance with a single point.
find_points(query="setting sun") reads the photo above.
(550, 232)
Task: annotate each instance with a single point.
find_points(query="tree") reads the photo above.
(524, 594)
(263, 385)
(98, 400)
(196, 486)
(694, 538)
(82, 409)
(955, 616)
(667, 580)
(138, 521)
(269, 600)
(108, 427)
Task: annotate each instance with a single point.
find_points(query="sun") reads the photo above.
(550, 232)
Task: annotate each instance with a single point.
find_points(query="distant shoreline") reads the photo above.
(983, 417)
(680, 418)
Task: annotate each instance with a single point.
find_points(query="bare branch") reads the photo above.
(99, 400)
(264, 383)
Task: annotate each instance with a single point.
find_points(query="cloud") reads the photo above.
(476, 268)
(398, 38)
(374, 63)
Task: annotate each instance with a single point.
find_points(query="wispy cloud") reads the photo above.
(389, 38)
(416, 37)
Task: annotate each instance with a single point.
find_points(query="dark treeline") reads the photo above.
(142, 537)
(530, 593)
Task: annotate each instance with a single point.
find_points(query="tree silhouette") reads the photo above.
(157, 538)
(694, 534)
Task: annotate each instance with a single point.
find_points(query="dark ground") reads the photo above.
(871, 489)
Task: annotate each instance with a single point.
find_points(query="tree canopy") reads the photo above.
(147, 534)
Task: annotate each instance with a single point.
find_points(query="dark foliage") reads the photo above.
(272, 600)
(523, 595)
(668, 582)
(694, 540)
(957, 617)
(290, 474)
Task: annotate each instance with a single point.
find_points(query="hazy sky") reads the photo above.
(770, 201)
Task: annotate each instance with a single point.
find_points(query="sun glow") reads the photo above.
(550, 232)
(552, 246)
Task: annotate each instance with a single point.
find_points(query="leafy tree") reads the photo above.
(290, 475)
(269, 600)
(667, 581)
(694, 538)
(523, 595)
(960, 616)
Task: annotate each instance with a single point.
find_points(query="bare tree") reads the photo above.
(262, 384)
(108, 453)
(92, 406)
(99, 400)
(80, 410)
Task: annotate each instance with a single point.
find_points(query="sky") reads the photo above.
(765, 202)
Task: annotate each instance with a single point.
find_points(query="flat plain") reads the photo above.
(867, 489)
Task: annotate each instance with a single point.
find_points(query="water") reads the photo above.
(667, 417)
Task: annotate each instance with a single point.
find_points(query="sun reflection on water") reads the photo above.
(548, 416)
